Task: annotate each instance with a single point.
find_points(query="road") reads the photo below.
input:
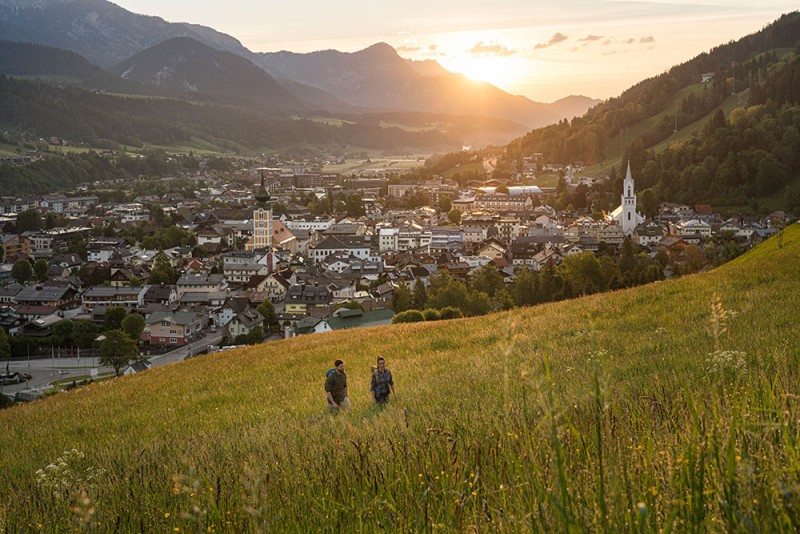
(192, 349)
(46, 370)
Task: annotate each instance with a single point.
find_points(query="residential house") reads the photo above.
(692, 230)
(58, 298)
(70, 261)
(447, 238)
(274, 285)
(230, 309)
(492, 248)
(9, 293)
(129, 276)
(311, 325)
(243, 323)
(548, 256)
(238, 273)
(110, 296)
(283, 238)
(508, 228)
(160, 294)
(215, 234)
(610, 233)
(649, 233)
(302, 298)
(173, 328)
(137, 367)
(473, 235)
(41, 244)
(358, 246)
(15, 245)
(200, 283)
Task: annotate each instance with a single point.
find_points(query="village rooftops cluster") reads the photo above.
(305, 266)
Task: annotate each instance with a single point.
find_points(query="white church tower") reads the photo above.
(625, 215)
(630, 219)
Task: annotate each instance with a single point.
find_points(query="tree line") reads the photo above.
(581, 274)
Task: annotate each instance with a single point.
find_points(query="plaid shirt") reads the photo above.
(380, 383)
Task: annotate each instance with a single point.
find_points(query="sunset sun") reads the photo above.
(499, 71)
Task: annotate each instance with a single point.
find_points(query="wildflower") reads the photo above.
(167, 515)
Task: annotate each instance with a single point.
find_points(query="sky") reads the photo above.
(541, 50)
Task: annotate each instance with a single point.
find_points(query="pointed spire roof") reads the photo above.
(628, 175)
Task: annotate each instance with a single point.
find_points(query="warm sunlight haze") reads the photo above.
(542, 51)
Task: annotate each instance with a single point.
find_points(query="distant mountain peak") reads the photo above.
(185, 65)
(380, 50)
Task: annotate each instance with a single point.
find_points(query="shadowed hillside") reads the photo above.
(669, 406)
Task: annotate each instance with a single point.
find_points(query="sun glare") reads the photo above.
(498, 71)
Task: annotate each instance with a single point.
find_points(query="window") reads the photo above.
(173, 340)
(164, 323)
(173, 331)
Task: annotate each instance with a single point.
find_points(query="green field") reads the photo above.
(397, 164)
(671, 407)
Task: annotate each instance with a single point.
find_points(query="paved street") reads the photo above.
(192, 349)
(46, 370)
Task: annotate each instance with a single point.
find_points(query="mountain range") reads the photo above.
(187, 58)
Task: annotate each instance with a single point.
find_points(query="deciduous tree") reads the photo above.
(117, 350)
(133, 326)
(22, 271)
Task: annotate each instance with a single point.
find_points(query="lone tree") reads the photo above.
(113, 317)
(133, 326)
(22, 271)
(117, 350)
(40, 269)
(267, 309)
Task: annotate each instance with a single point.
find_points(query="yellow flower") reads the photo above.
(167, 514)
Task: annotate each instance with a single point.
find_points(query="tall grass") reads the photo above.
(669, 407)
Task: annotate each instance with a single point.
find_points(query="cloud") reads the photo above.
(493, 49)
(630, 40)
(647, 39)
(590, 38)
(405, 48)
(555, 39)
(433, 47)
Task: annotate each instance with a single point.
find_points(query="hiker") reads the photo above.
(336, 387)
(382, 382)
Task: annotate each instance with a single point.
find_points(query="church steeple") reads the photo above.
(629, 217)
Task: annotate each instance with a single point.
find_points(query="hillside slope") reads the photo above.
(670, 406)
(719, 129)
(185, 66)
(62, 66)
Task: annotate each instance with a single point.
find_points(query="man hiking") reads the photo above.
(382, 383)
(336, 388)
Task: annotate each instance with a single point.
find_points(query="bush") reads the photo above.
(408, 316)
(431, 314)
(450, 312)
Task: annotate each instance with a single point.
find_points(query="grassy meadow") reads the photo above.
(669, 407)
